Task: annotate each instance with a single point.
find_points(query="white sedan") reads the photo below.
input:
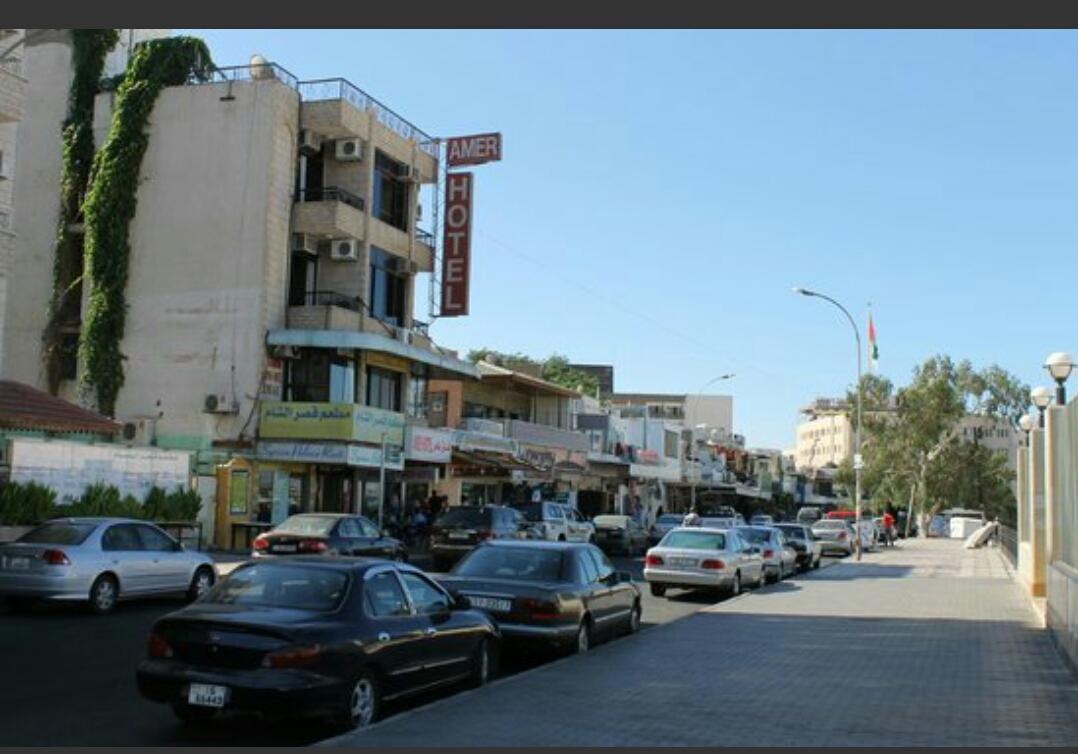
(695, 557)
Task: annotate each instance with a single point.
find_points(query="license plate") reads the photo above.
(205, 695)
(18, 564)
(490, 603)
(681, 562)
(458, 535)
(284, 548)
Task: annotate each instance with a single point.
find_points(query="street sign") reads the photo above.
(473, 150)
(858, 461)
(456, 246)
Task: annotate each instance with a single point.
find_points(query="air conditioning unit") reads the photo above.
(344, 250)
(138, 432)
(401, 266)
(285, 352)
(408, 173)
(309, 142)
(216, 403)
(349, 149)
(305, 242)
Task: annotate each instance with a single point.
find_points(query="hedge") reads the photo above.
(31, 503)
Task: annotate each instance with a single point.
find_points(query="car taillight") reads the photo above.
(769, 553)
(55, 557)
(312, 545)
(297, 657)
(539, 609)
(261, 542)
(713, 565)
(159, 647)
(842, 535)
(653, 560)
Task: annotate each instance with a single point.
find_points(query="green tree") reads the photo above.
(555, 368)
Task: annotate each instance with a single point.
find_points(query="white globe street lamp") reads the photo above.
(1041, 397)
(1059, 365)
(1025, 423)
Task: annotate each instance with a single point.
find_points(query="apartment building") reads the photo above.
(714, 411)
(271, 288)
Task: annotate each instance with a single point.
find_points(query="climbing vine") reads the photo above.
(89, 48)
(110, 203)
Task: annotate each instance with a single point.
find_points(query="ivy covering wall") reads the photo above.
(89, 49)
(110, 204)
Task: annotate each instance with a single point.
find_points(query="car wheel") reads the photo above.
(583, 638)
(482, 664)
(561, 537)
(200, 583)
(771, 579)
(364, 700)
(104, 593)
(189, 713)
(735, 588)
(633, 624)
(816, 563)
(657, 590)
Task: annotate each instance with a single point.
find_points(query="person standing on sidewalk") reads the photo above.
(888, 528)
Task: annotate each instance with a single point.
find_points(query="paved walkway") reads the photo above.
(924, 645)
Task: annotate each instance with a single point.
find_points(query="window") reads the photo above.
(321, 376)
(602, 563)
(519, 563)
(383, 388)
(69, 356)
(367, 528)
(279, 585)
(155, 539)
(427, 598)
(121, 538)
(388, 289)
(58, 534)
(417, 391)
(384, 596)
(390, 192)
(348, 528)
(588, 568)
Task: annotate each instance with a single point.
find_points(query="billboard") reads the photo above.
(456, 244)
(473, 150)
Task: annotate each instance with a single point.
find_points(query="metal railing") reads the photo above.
(260, 72)
(424, 237)
(332, 298)
(330, 89)
(331, 194)
(1008, 540)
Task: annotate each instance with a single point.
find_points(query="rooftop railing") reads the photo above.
(331, 89)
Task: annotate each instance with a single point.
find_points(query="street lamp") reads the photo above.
(692, 458)
(1041, 397)
(1059, 365)
(1025, 423)
(857, 429)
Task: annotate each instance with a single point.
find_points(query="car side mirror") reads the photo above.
(460, 602)
(178, 547)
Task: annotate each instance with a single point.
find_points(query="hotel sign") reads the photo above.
(329, 421)
(473, 150)
(456, 244)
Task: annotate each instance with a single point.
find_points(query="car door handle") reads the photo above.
(383, 636)
(430, 631)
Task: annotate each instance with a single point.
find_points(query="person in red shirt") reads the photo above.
(888, 527)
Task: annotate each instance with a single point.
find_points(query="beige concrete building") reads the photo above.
(271, 288)
(825, 438)
(714, 411)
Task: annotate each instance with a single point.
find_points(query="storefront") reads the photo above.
(426, 454)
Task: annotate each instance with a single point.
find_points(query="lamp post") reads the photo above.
(692, 458)
(1041, 397)
(857, 430)
(1059, 365)
(1025, 423)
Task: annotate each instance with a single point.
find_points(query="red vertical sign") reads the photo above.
(456, 244)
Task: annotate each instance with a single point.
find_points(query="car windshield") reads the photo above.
(288, 586)
(524, 563)
(670, 519)
(609, 520)
(793, 532)
(756, 536)
(831, 523)
(310, 526)
(58, 533)
(532, 511)
(695, 540)
(464, 517)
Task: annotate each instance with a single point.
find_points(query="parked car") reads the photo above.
(809, 514)
(835, 535)
(805, 544)
(556, 522)
(459, 529)
(328, 534)
(780, 559)
(620, 534)
(694, 557)
(100, 561)
(665, 523)
(761, 520)
(580, 528)
(563, 594)
(315, 636)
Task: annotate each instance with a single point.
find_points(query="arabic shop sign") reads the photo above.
(330, 421)
(330, 453)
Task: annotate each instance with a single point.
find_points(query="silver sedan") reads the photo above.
(100, 561)
(780, 559)
(696, 557)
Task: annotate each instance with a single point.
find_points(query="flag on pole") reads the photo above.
(873, 348)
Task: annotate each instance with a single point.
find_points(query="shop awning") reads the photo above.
(490, 462)
(26, 408)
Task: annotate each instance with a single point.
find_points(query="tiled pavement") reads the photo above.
(926, 644)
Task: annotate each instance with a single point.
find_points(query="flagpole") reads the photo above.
(868, 352)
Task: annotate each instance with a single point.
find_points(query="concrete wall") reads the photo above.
(714, 410)
(1061, 516)
(824, 440)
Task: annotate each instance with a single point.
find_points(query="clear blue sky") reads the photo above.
(662, 191)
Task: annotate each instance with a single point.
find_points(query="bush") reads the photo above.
(25, 504)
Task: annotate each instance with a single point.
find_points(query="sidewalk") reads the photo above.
(928, 644)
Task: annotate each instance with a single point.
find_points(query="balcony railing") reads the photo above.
(424, 237)
(251, 73)
(331, 298)
(331, 194)
(330, 89)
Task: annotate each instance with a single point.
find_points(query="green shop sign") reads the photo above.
(330, 421)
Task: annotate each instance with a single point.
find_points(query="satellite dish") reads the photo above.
(260, 68)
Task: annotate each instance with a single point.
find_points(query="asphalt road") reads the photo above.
(69, 679)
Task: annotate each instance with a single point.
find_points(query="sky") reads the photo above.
(662, 191)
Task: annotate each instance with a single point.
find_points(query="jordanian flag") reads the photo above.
(873, 348)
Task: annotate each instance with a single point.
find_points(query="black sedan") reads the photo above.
(565, 594)
(328, 534)
(313, 636)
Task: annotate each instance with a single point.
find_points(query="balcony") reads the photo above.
(12, 91)
(539, 434)
(329, 212)
(326, 310)
(424, 250)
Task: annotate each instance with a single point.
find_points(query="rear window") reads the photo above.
(465, 517)
(609, 520)
(830, 523)
(532, 511)
(524, 563)
(310, 526)
(58, 534)
(793, 532)
(670, 519)
(756, 536)
(694, 540)
(273, 585)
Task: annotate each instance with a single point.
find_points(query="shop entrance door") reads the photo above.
(335, 491)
